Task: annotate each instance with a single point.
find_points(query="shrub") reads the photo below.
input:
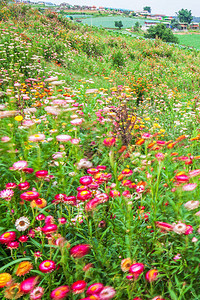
(161, 32)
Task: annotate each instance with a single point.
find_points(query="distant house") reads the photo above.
(41, 3)
(194, 26)
(183, 26)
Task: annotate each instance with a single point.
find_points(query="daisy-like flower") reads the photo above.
(190, 205)
(107, 293)
(13, 291)
(6, 194)
(22, 223)
(125, 264)
(37, 293)
(23, 268)
(36, 137)
(180, 228)
(20, 165)
(63, 138)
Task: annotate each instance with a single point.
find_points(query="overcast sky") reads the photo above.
(168, 7)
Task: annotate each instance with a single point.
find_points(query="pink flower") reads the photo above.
(19, 165)
(6, 194)
(108, 142)
(78, 287)
(160, 156)
(151, 275)
(47, 266)
(36, 137)
(189, 187)
(5, 139)
(28, 284)
(92, 204)
(60, 292)
(114, 193)
(49, 228)
(86, 180)
(182, 178)
(190, 205)
(194, 239)
(164, 226)
(7, 237)
(63, 138)
(77, 122)
(13, 245)
(177, 257)
(194, 173)
(136, 268)
(80, 250)
(11, 185)
(95, 288)
(107, 293)
(37, 293)
(75, 141)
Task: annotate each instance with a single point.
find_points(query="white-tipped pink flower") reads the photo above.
(36, 137)
(20, 165)
(190, 205)
(77, 122)
(63, 138)
(189, 187)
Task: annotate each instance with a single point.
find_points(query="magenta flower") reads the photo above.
(78, 287)
(86, 180)
(94, 288)
(79, 251)
(60, 293)
(28, 284)
(47, 266)
(7, 237)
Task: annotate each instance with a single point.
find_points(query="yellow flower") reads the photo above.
(5, 278)
(18, 118)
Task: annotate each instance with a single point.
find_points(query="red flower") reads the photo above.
(78, 287)
(41, 174)
(108, 142)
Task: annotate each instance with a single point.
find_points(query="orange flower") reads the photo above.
(180, 138)
(171, 145)
(120, 177)
(13, 291)
(125, 264)
(41, 203)
(122, 149)
(140, 142)
(5, 279)
(23, 268)
(151, 145)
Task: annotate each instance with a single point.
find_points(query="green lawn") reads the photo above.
(192, 40)
(109, 22)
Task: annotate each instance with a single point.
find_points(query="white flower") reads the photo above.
(190, 205)
(22, 223)
(6, 194)
(179, 228)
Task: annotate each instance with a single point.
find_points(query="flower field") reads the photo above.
(99, 163)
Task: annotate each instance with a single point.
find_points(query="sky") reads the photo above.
(167, 7)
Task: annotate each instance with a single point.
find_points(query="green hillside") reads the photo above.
(99, 162)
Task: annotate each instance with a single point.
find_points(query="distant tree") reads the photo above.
(118, 24)
(185, 16)
(175, 24)
(133, 14)
(137, 26)
(147, 8)
(161, 32)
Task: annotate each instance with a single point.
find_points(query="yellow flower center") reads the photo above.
(47, 264)
(7, 234)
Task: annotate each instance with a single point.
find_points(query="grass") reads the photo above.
(109, 22)
(191, 40)
(130, 107)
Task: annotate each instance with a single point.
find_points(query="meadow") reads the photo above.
(99, 162)
(191, 40)
(109, 22)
